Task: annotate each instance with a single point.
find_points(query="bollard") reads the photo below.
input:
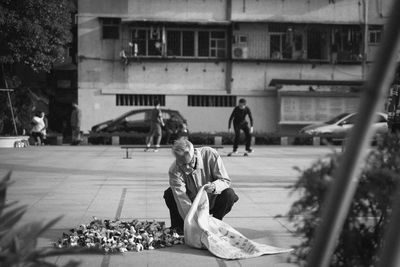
(115, 140)
(316, 141)
(59, 140)
(85, 140)
(284, 141)
(218, 140)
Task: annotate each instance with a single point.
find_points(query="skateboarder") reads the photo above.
(238, 116)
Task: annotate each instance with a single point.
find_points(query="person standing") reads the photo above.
(156, 122)
(238, 117)
(44, 130)
(38, 128)
(76, 116)
(193, 168)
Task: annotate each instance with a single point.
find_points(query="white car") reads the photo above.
(341, 125)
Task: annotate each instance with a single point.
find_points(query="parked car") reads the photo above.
(139, 121)
(341, 125)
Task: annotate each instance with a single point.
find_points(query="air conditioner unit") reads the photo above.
(240, 52)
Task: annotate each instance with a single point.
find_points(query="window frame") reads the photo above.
(215, 101)
(217, 48)
(113, 28)
(377, 32)
(138, 100)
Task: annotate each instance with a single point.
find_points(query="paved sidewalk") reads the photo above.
(85, 181)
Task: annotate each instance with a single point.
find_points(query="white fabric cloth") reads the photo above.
(205, 231)
(39, 124)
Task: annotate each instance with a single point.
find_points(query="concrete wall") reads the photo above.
(99, 107)
(157, 9)
(101, 74)
(309, 11)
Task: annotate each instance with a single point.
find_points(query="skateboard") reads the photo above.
(244, 154)
(151, 149)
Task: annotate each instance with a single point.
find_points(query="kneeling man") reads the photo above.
(193, 168)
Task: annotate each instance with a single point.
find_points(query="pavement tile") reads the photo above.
(86, 181)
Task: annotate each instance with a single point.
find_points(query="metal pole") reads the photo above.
(346, 176)
(9, 100)
(365, 39)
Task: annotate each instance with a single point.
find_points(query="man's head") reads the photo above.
(242, 103)
(183, 151)
(40, 114)
(157, 103)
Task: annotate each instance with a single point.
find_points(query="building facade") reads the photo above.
(295, 61)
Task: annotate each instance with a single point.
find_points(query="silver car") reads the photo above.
(341, 125)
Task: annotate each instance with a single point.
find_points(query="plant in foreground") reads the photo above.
(362, 234)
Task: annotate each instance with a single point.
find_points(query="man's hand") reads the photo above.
(209, 188)
(251, 129)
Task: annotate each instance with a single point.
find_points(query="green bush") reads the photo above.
(361, 236)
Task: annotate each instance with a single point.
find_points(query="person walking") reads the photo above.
(191, 169)
(76, 116)
(38, 128)
(156, 122)
(238, 117)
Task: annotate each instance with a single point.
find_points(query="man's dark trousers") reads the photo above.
(222, 206)
(245, 127)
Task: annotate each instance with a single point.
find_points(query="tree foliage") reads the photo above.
(34, 32)
(362, 235)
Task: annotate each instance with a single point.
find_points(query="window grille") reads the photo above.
(282, 41)
(148, 43)
(375, 35)
(110, 28)
(218, 44)
(180, 43)
(347, 40)
(174, 43)
(139, 100)
(204, 43)
(211, 101)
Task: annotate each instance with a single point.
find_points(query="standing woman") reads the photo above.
(156, 122)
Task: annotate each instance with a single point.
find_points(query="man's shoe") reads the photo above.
(249, 150)
(177, 230)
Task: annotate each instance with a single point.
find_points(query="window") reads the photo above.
(281, 39)
(204, 44)
(375, 35)
(218, 44)
(212, 44)
(188, 44)
(139, 116)
(148, 42)
(139, 100)
(346, 41)
(211, 101)
(110, 28)
(180, 43)
(315, 43)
